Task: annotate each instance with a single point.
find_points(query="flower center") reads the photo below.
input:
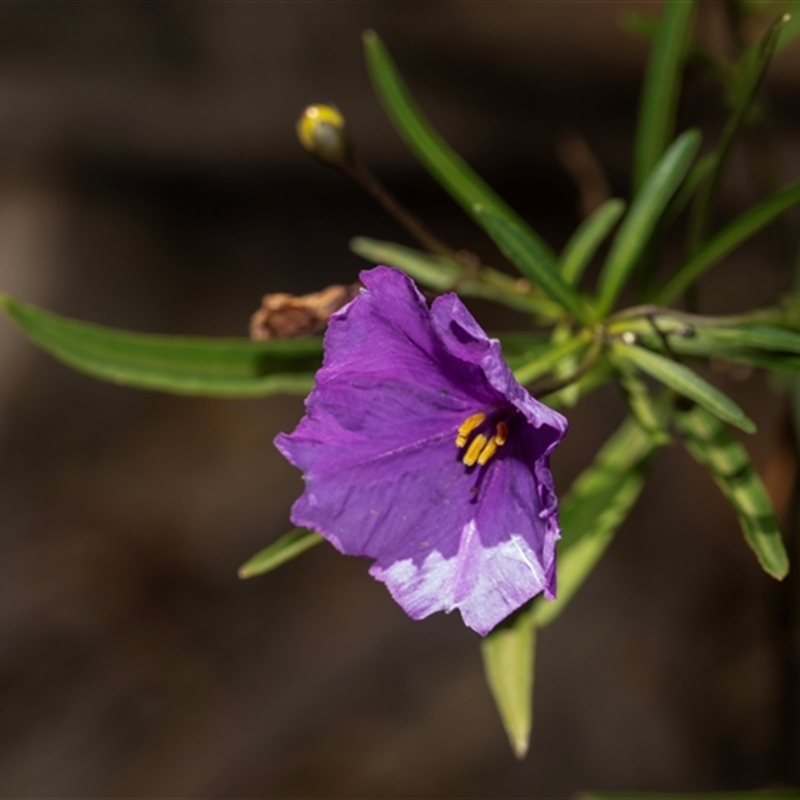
(481, 446)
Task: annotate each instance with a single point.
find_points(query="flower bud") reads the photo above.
(323, 132)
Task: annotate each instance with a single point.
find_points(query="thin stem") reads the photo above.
(662, 337)
(360, 173)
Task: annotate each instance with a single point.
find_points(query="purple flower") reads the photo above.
(421, 451)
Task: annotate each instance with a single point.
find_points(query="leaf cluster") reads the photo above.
(579, 339)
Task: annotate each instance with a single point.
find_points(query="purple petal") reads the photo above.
(384, 477)
(505, 555)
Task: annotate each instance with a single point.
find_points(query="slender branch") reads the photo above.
(662, 337)
(365, 178)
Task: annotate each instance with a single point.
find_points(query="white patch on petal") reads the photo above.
(484, 583)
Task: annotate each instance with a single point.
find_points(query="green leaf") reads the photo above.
(714, 447)
(289, 546)
(181, 365)
(711, 340)
(647, 27)
(534, 263)
(687, 383)
(597, 503)
(712, 343)
(508, 660)
(634, 233)
(754, 358)
(446, 166)
(762, 337)
(697, 174)
(567, 367)
(752, 68)
(436, 272)
(442, 274)
(727, 239)
(640, 403)
(543, 362)
(659, 101)
(587, 238)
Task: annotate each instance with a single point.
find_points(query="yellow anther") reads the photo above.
(501, 434)
(467, 426)
(498, 440)
(474, 450)
(488, 451)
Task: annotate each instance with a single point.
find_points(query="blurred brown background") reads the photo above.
(150, 179)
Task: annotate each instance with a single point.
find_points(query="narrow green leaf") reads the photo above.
(752, 68)
(587, 238)
(508, 660)
(289, 546)
(647, 27)
(436, 272)
(534, 263)
(706, 344)
(634, 233)
(446, 166)
(782, 363)
(687, 383)
(640, 403)
(709, 339)
(762, 337)
(661, 89)
(687, 190)
(597, 503)
(543, 362)
(711, 444)
(443, 274)
(182, 365)
(567, 367)
(727, 239)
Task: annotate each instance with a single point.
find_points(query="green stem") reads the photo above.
(772, 314)
(365, 178)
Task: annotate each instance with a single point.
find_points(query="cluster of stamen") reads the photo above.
(481, 447)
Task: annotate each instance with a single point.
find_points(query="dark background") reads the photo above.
(150, 179)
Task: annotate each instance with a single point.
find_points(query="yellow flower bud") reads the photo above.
(323, 132)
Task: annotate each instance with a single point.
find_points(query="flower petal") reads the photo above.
(464, 338)
(443, 536)
(505, 555)
(384, 478)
